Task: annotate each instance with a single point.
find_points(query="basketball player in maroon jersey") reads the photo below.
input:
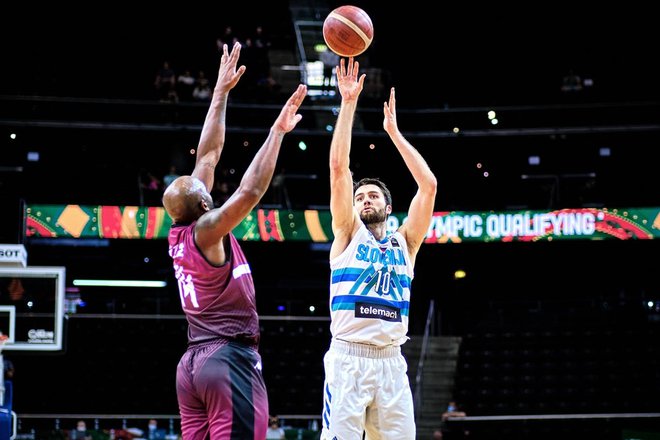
(220, 388)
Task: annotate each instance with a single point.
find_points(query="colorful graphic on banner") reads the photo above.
(75, 221)
(564, 224)
(132, 222)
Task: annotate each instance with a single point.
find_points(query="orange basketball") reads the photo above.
(348, 31)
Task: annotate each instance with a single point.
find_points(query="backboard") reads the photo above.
(32, 307)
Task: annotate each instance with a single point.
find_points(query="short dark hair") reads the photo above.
(378, 183)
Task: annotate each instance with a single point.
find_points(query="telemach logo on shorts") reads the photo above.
(379, 311)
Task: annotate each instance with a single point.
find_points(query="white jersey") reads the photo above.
(370, 290)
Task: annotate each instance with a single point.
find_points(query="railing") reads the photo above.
(422, 356)
(152, 116)
(31, 425)
(35, 426)
(566, 426)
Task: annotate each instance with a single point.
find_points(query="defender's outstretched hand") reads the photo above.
(289, 117)
(228, 75)
(389, 110)
(347, 80)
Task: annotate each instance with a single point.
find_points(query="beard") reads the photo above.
(373, 217)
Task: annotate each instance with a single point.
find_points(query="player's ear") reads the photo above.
(388, 209)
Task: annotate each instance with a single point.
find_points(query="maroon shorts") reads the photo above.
(221, 392)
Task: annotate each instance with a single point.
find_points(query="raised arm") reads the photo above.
(421, 207)
(212, 138)
(344, 217)
(218, 222)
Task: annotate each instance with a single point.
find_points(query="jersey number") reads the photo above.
(383, 282)
(186, 286)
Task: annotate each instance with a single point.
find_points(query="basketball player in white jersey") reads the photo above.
(366, 388)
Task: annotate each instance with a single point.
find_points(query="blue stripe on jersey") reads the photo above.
(347, 302)
(352, 273)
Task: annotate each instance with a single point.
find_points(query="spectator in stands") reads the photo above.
(571, 82)
(220, 387)
(221, 192)
(224, 185)
(151, 188)
(15, 289)
(450, 432)
(80, 433)
(153, 432)
(366, 386)
(452, 411)
(274, 431)
(165, 83)
(202, 90)
(170, 177)
(261, 40)
(249, 81)
(261, 47)
(227, 38)
(185, 84)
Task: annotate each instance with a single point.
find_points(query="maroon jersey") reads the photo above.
(219, 301)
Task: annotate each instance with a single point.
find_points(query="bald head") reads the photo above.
(186, 199)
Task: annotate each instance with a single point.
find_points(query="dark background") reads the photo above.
(438, 52)
(72, 76)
